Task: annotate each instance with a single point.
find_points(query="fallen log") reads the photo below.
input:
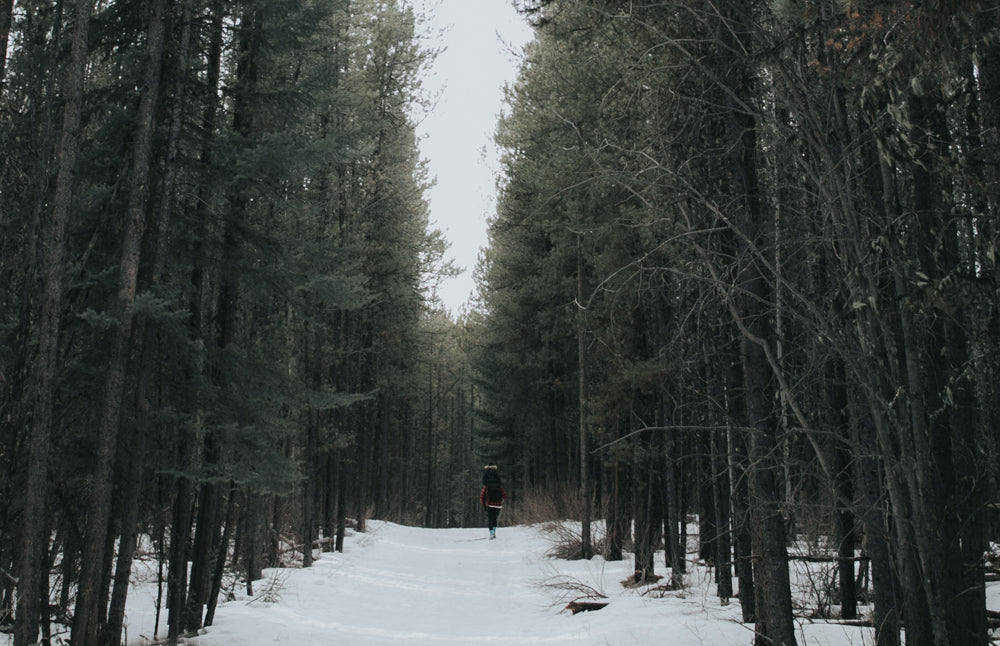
(585, 606)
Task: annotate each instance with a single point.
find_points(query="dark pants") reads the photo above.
(492, 514)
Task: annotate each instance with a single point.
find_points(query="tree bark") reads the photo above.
(221, 557)
(646, 520)
(341, 503)
(204, 551)
(942, 402)
(255, 519)
(330, 473)
(180, 534)
(775, 625)
(190, 594)
(34, 541)
(173, 144)
(314, 369)
(6, 16)
(617, 511)
(885, 613)
(129, 537)
(843, 490)
(586, 546)
(739, 479)
(87, 619)
(721, 491)
(673, 547)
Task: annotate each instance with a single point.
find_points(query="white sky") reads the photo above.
(482, 41)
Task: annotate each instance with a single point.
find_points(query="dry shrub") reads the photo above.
(361, 524)
(273, 586)
(571, 589)
(536, 506)
(660, 591)
(566, 540)
(557, 512)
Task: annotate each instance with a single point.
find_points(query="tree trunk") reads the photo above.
(739, 477)
(775, 624)
(942, 402)
(708, 530)
(6, 14)
(366, 424)
(341, 503)
(384, 443)
(46, 614)
(988, 75)
(308, 517)
(586, 546)
(843, 492)
(885, 613)
(173, 144)
(673, 547)
(180, 534)
(721, 490)
(129, 537)
(188, 595)
(221, 557)
(646, 521)
(330, 500)
(313, 458)
(204, 550)
(87, 620)
(617, 514)
(34, 541)
(116, 610)
(255, 519)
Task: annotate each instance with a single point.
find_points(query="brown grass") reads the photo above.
(536, 506)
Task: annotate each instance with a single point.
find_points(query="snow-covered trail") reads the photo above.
(404, 585)
(432, 587)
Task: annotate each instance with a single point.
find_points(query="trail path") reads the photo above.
(400, 585)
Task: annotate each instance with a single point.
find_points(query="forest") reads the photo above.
(742, 271)
(744, 268)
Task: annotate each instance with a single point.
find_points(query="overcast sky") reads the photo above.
(482, 40)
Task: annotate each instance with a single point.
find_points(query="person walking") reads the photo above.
(492, 497)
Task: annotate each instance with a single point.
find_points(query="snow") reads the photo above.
(442, 587)
(404, 585)
(454, 587)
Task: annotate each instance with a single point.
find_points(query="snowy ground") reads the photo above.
(433, 587)
(403, 585)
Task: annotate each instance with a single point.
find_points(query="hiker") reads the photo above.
(492, 497)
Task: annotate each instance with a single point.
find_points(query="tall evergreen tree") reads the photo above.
(32, 585)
